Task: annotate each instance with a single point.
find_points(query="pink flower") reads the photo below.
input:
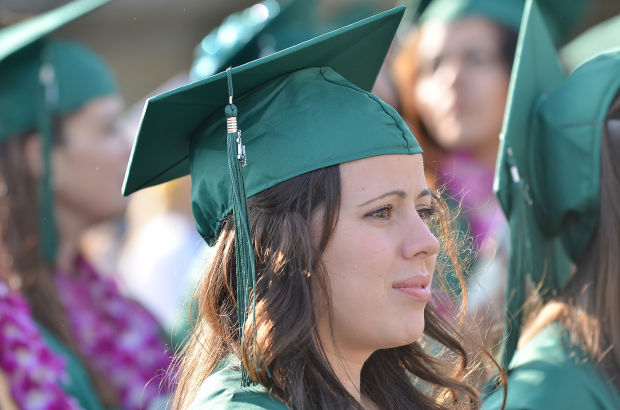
(33, 371)
(118, 337)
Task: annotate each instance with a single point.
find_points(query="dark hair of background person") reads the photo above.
(290, 279)
(19, 216)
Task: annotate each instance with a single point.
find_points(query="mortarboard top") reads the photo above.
(77, 74)
(313, 132)
(42, 78)
(264, 28)
(603, 37)
(548, 168)
(505, 12)
(561, 16)
(17, 36)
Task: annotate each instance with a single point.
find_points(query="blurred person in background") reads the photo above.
(452, 74)
(61, 164)
(558, 181)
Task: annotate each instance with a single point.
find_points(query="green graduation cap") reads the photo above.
(300, 109)
(259, 30)
(603, 37)
(548, 170)
(42, 78)
(505, 12)
(561, 16)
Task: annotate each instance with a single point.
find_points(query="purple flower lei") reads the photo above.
(117, 336)
(33, 371)
(471, 183)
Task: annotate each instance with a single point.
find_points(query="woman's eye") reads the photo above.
(427, 214)
(384, 212)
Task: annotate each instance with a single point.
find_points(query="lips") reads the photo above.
(417, 287)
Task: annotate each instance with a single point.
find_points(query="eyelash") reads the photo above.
(426, 214)
(383, 209)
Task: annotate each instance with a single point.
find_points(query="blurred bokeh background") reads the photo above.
(148, 41)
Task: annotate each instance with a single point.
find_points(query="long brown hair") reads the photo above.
(28, 271)
(288, 270)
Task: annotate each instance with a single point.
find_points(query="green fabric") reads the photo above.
(41, 79)
(505, 12)
(550, 373)
(548, 169)
(333, 119)
(80, 76)
(78, 384)
(17, 36)
(569, 125)
(603, 37)
(561, 16)
(340, 119)
(533, 253)
(255, 32)
(223, 390)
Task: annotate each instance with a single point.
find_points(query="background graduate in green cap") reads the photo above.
(61, 165)
(452, 73)
(558, 180)
(313, 191)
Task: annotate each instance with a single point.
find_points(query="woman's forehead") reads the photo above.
(374, 175)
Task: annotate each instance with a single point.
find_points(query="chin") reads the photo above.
(449, 140)
(409, 334)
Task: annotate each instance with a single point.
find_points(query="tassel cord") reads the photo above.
(244, 250)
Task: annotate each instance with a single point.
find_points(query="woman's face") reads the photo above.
(89, 162)
(381, 256)
(462, 83)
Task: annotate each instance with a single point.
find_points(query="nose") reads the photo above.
(419, 241)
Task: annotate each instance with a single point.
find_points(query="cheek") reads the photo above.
(358, 262)
(488, 89)
(90, 179)
(426, 96)
(105, 164)
(358, 246)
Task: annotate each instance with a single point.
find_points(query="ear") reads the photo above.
(33, 155)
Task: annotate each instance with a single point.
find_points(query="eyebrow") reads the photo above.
(400, 193)
(424, 192)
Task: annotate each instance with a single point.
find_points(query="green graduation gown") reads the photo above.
(78, 384)
(223, 390)
(550, 373)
